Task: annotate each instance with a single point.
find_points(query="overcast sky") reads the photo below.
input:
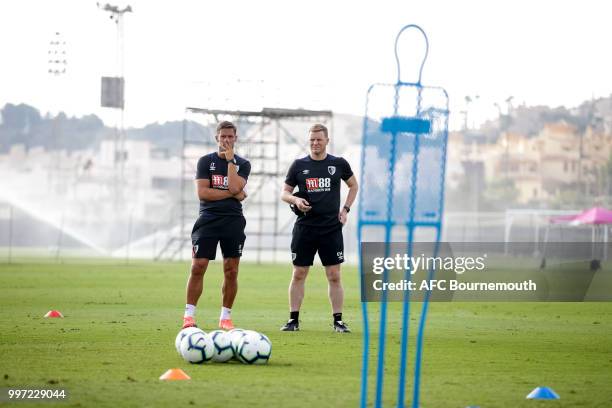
(315, 54)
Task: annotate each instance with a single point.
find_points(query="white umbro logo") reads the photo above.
(305, 171)
(293, 256)
(212, 166)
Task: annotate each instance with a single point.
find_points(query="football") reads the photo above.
(235, 335)
(184, 332)
(197, 347)
(254, 348)
(223, 346)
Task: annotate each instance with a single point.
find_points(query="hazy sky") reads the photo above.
(315, 54)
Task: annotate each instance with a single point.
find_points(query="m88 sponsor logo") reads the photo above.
(219, 181)
(318, 184)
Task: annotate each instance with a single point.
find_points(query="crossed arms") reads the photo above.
(235, 187)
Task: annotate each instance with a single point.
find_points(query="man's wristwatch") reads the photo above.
(347, 208)
(232, 161)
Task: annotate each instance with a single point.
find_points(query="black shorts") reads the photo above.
(209, 231)
(306, 241)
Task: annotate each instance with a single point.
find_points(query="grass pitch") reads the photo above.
(120, 322)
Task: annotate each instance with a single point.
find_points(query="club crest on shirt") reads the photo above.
(331, 170)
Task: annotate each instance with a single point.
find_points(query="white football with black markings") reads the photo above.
(223, 346)
(184, 332)
(235, 335)
(254, 348)
(197, 348)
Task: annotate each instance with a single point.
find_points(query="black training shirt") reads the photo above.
(214, 169)
(320, 180)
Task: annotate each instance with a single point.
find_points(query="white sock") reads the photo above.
(226, 313)
(189, 310)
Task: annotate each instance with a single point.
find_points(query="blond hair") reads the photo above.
(318, 127)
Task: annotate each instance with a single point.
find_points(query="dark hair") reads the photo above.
(226, 125)
(317, 127)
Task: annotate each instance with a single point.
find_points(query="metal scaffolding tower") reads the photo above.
(266, 139)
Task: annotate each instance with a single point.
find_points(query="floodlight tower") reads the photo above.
(57, 55)
(509, 103)
(117, 14)
(56, 68)
(468, 101)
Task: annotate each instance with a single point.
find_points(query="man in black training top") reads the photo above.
(319, 223)
(220, 179)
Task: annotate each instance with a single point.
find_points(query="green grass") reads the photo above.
(120, 322)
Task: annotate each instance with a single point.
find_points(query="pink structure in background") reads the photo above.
(599, 218)
(594, 216)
